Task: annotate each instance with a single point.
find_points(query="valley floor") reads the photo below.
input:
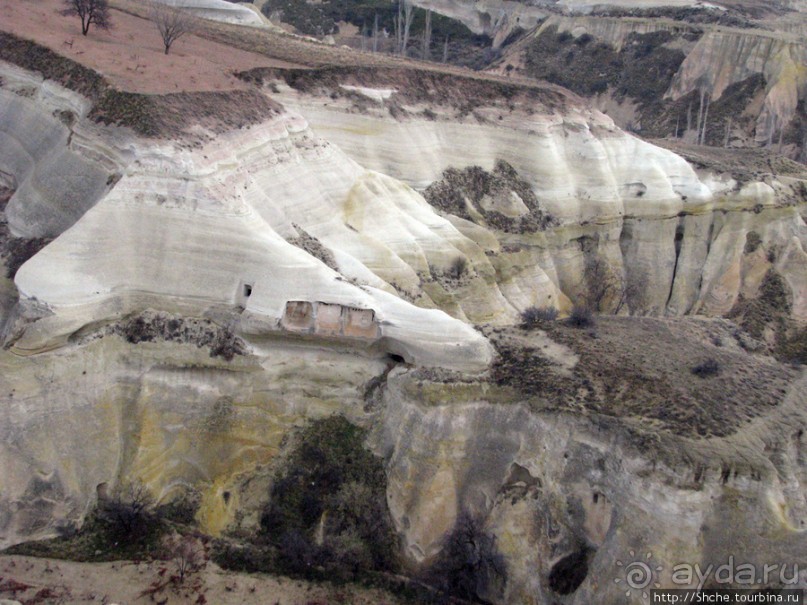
(38, 581)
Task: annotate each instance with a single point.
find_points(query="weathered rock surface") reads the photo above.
(573, 486)
(227, 289)
(220, 10)
(715, 59)
(674, 236)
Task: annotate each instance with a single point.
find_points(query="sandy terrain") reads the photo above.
(39, 581)
(131, 55)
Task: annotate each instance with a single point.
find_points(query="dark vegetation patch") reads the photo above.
(795, 133)
(709, 367)
(148, 115)
(752, 242)
(30, 55)
(770, 312)
(534, 317)
(314, 247)
(470, 565)
(162, 327)
(412, 85)
(457, 188)
(743, 165)
(661, 118)
(334, 486)
(695, 15)
(128, 525)
(639, 370)
(172, 114)
(14, 251)
(642, 70)
(581, 317)
(327, 520)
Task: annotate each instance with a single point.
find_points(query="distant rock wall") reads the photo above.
(716, 58)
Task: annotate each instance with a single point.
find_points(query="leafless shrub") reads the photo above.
(186, 552)
(707, 368)
(458, 267)
(533, 316)
(581, 317)
(129, 516)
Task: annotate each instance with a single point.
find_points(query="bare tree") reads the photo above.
(689, 117)
(398, 22)
(605, 289)
(187, 553)
(427, 36)
(375, 34)
(91, 12)
(705, 119)
(130, 515)
(445, 50)
(700, 117)
(403, 24)
(172, 22)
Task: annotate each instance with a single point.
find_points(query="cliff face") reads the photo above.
(559, 489)
(207, 293)
(674, 238)
(721, 59)
(685, 66)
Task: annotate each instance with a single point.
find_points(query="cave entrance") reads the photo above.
(568, 574)
(242, 293)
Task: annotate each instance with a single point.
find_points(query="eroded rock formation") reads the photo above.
(207, 293)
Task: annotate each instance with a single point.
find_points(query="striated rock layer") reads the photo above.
(207, 294)
(675, 238)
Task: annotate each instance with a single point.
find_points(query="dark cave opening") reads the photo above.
(568, 574)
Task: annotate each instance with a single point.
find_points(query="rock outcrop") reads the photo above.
(207, 293)
(675, 238)
(221, 10)
(704, 61)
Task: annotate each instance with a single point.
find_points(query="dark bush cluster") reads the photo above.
(458, 187)
(328, 516)
(155, 327)
(709, 367)
(470, 566)
(458, 267)
(532, 317)
(581, 317)
(129, 519)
